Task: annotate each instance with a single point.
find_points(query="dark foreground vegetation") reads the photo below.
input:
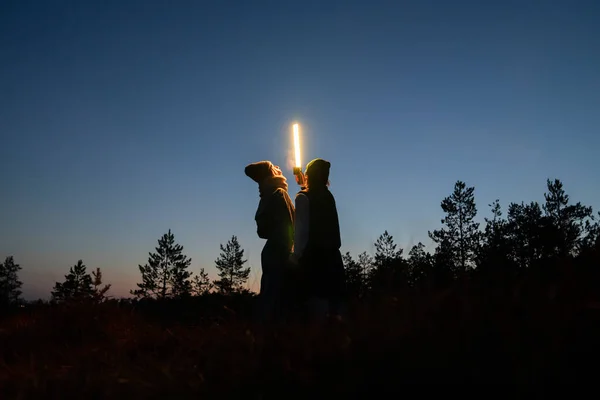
(521, 331)
(517, 302)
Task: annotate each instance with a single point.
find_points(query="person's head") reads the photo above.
(261, 170)
(276, 170)
(317, 173)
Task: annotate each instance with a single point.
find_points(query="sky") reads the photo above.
(120, 120)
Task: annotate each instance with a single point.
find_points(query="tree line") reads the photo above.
(165, 275)
(530, 235)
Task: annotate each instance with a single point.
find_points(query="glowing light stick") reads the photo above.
(298, 167)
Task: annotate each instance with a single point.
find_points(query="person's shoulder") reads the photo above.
(281, 193)
(302, 192)
(301, 196)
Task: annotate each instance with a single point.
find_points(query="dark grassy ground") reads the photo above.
(528, 335)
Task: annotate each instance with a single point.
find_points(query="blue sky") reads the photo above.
(120, 120)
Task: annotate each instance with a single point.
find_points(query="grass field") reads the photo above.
(210, 349)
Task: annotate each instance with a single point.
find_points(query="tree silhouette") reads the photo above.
(420, 264)
(592, 234)
(230, 264)
(385, 250)
(389, 270)
(460, 239)
(10, 285)
(569, 220)
(366, 263)
(165, 275)
(495, 247)
(76, 287)
(99, 290)
(355, 279)
(526, 226)
(201, 284)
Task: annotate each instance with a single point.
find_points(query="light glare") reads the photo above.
(297, 145)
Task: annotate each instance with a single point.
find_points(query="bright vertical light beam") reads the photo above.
(297, 146)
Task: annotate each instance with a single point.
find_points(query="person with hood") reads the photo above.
(317, 240)
(275, 223)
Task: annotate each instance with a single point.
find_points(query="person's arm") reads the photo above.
(301, 225)
(300, 180)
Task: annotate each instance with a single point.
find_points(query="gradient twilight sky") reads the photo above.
(122, 119)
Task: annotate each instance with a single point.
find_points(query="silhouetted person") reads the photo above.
(274, 222)
(317, 240)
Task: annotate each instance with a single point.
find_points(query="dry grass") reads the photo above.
(458, 336)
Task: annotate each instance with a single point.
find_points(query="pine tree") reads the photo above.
(591, 239)
(10, 285)
(355, 281)
(444, 269)
(495, 248)
(77, 285)
(460, 239)
(165, 275)
(99, 290)
(389, 269)
(527, 235)
(385, 250)
(230, 264)
(420, 264)
(366, 263)
(569, 220)
(201, 284)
